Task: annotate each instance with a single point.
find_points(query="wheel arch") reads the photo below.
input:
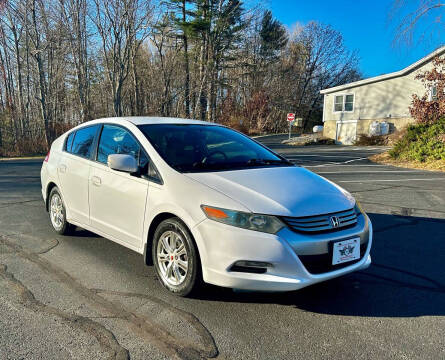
(152, 229)
(51, 185)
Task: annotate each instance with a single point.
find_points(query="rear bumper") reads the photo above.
(220, 246)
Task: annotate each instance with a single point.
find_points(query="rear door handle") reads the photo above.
(62, 168)
(96, 180)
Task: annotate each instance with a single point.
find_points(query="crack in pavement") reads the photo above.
(204, 333)
(49, 248)
(404, 211)
(146, 328)
(439, 289)
(4, 205)
(105, 338)
(379, 189)
(408, 221)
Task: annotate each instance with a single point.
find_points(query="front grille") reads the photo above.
(319, 264)
(322, 223)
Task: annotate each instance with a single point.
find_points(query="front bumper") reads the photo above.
(221, 245)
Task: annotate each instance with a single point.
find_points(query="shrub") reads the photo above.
(421, 142)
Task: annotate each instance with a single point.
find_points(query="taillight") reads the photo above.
(47, 157)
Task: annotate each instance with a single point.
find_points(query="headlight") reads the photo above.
(256, 222)
(358, 208)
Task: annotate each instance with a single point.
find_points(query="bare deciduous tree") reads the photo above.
(120, 24)
(417, 19)
(67, 61)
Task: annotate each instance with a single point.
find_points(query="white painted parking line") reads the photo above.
(370, 172)
(388, 180)
(347, 165)
(333, 163)
(319, 156)
(334, 150)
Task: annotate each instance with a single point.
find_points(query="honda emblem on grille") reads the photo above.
(334, 221)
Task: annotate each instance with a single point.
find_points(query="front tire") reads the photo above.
(175, 257)
(57, 213)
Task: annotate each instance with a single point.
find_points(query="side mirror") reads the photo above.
(123, 162)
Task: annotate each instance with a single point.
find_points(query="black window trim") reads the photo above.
(65, 143)
(96, 149)
(75, 133)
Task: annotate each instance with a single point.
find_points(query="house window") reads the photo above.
(433, 93)
(344, 103)
(338, 103)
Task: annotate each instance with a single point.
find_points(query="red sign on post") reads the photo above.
(290, 117)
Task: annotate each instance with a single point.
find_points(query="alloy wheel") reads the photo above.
(172, 257)
(56, 211)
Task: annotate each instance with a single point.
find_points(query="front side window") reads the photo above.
(83, 141)
(117, 140)
(201, 148)
(344, 103)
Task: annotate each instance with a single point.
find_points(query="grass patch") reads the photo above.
(385, 158)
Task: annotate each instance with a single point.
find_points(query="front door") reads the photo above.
(117, 199)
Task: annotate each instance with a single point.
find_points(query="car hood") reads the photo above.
(282, 191)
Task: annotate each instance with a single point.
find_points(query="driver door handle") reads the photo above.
(96, 180)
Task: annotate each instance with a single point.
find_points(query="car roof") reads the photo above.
(148, 120)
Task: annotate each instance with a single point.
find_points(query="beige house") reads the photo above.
(349, 110)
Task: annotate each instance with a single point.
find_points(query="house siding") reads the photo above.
(385, 100)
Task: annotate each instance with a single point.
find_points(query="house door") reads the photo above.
(346, 132)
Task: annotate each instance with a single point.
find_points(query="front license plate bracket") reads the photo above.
(345, 250)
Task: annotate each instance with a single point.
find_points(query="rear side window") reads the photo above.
(117, 140)
(69, 141)
(83, 141)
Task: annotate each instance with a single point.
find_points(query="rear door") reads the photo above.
(117, 199)
(74, 170)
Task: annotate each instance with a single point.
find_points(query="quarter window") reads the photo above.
(344, 103)
(69, 141)
(83, 141)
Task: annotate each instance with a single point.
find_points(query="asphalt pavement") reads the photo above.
(84, 297)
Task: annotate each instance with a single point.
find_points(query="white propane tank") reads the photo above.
(317, 129)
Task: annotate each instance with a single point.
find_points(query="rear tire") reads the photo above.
(57, 213)
(176, 258)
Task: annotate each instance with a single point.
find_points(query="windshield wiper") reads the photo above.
(200, 166)
(212, 166)
(268, 162)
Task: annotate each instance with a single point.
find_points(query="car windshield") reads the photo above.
(201, 148)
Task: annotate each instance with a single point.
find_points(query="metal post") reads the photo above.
(290, 127)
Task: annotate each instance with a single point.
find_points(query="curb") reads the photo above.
(261, 136)
(22, 158)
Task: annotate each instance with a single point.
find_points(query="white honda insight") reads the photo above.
(203, 202)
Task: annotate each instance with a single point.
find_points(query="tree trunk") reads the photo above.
(42, 81)
(186, 65)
